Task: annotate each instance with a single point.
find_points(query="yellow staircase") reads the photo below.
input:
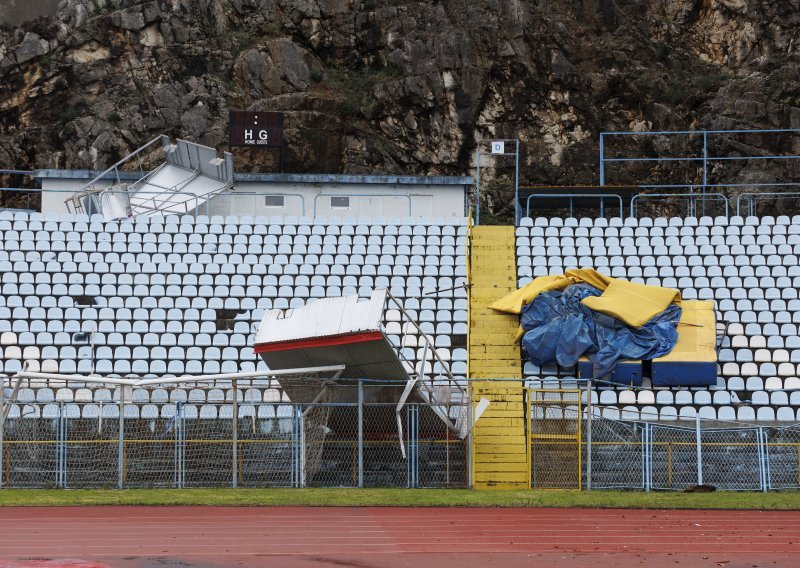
(501, 452)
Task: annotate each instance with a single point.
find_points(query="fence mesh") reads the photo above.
(731, 458)
(197, 442)
(673, 457)
(783, 455)
(190, 436)
(555, 432)
(617, 454)
(31, 455)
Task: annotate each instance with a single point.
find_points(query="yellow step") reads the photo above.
(502, 467)
(496, 477)
(501, 444)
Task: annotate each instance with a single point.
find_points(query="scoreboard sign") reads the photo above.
(255, 129)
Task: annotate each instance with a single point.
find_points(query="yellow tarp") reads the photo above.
(513, 302)
(632, 303)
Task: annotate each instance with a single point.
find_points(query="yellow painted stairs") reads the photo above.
(501, 451)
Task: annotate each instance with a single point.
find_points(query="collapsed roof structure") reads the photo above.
(189, 176)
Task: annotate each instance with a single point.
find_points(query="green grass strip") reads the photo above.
(401, 497)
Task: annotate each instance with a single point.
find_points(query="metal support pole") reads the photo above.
(235, 437)
(516, 183)
(763, 459)
(469, 441)
(699, 451)
(645, 456)
(302, 446)
(121, 440)
(705, 168)
(175, 443)
(2, 425)
(61, 449)
(360, 433)
(589, 435)
(602, 161)
(648, 448)
(413, 442)
(478, 186)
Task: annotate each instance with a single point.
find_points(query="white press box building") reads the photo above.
(194, 178)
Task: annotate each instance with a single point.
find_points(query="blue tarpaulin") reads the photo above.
(559, 329)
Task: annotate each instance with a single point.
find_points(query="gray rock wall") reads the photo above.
(392, 86)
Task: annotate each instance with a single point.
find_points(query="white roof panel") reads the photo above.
(323, 318)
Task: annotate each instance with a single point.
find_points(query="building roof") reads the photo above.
(282, 178)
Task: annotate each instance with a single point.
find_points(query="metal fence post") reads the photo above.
(2, 426)
(176, 461)
(60, 465)
(235, 437)
(763, 459)
(699, 450)
(360, 433)
(121, 440)
(645, 438)
(603, 161)
(589, 435)
(478, 185)
(516, 183)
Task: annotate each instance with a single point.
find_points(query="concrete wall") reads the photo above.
(304, 195)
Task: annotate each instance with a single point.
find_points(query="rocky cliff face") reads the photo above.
(392, 86)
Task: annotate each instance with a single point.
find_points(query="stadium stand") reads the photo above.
(168, 296)
(747, 266)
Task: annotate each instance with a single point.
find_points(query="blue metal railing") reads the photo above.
(694, 200)
(751, 199)
(569, 197)
(705, 157)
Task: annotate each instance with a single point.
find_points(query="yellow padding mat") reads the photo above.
(632, 303)
(697, 334)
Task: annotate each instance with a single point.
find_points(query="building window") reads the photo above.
(340, 203)
(273, 200)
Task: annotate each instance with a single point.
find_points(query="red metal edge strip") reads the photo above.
(320, 342)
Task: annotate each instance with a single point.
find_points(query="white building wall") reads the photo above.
(369, 196)
(365, 200)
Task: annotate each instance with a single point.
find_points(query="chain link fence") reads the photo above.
(255, 436)
(230, 442)
(675, 457)
(555, 432)
(573, 446)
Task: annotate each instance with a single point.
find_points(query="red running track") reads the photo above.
(90, 537)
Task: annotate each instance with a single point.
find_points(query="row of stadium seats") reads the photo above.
(282, 414)
(706, 221)
(156, 395)
(746, 266)
(762, 234)
(164, 297)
